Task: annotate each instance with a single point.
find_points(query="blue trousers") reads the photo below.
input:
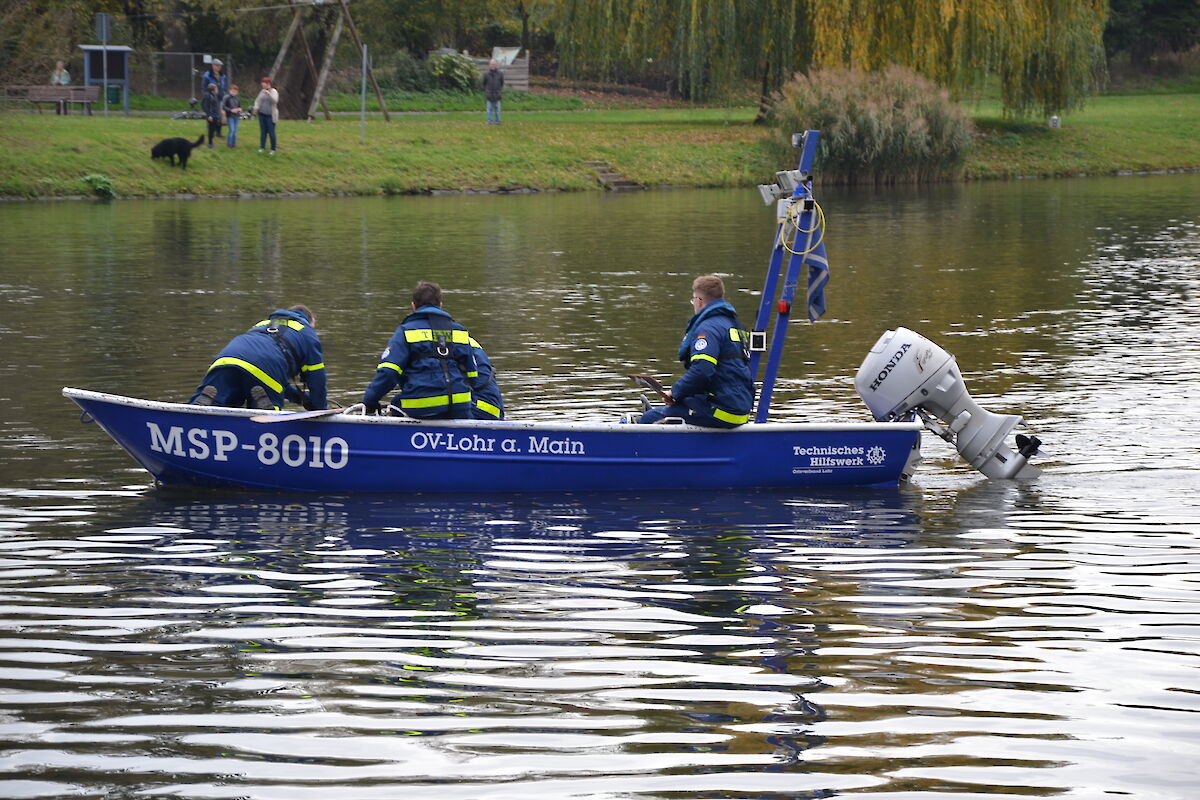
(233, 386)
(266, 126)
(493, 112)
(233, 120)
(689, 415)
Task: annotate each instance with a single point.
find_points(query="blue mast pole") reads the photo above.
(798, 218)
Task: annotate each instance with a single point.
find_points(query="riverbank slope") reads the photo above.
(44, 155)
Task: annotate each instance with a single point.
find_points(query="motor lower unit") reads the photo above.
(905, 374)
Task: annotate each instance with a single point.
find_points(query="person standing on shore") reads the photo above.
(493, 85)
(215, 75)
(231, 109)
(266, 108)
(212, 113)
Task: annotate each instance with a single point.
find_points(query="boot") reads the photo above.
(208, 396)
(259, 397)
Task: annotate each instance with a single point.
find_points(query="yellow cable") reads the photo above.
(791, 217)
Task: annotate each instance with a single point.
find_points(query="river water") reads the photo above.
(948, 638)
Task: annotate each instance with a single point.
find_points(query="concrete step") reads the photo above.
(611, 179)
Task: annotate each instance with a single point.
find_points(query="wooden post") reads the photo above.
(319, 94)
(312, 70)
(287, 40)
(370, 73)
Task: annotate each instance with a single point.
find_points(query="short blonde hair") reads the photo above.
(710, 287)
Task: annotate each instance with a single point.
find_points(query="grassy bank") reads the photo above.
(43, 155)
(1115, 133)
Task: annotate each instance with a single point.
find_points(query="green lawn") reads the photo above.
(44, 155)
(1113, 133)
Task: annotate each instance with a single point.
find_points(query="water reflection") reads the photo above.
(949, 638)
(572, 646)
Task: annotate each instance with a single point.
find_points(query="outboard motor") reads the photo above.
(905, 373)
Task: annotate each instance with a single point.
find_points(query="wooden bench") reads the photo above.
(62, 97)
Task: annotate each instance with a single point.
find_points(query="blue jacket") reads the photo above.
(431, 358)
(717, 383)
(488, 404)
(275, 362)
(221, 82)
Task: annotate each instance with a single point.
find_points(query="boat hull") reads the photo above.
(224, 448)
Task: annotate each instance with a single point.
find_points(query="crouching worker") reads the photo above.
(717, 390)
(432, 359)
(256, 368)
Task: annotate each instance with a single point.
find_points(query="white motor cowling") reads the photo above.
(905, 373)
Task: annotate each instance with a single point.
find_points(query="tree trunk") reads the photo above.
(764, 98)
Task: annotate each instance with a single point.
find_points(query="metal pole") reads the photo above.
(104, 57)
(795, 260)
(362, 125)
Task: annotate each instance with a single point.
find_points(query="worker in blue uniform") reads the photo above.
(257, 368)
(717, 390)
(431, 359)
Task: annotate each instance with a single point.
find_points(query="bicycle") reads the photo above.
(191, 113)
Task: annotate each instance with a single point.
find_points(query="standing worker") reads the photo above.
(266, 108)
(717, 390)
(493, 85)
(256, 368)
(431, 358)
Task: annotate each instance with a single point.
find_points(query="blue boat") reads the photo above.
(905, 377)
(226, 448)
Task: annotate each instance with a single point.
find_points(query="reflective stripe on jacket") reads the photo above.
(488, 403)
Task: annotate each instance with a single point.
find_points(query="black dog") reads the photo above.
(176, 146)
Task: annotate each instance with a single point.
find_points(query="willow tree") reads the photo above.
(1047, 54)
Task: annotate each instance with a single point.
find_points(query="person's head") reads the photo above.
(266, 82)
(233, 88)
(60, 65)
(493, 64)
(705, 289)
(216, 65)
(212, 88)
(427, 294)
(306, 311)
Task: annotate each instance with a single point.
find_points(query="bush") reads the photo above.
(889, 127)
(405, 74)
(101, 185)
(454, 71)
